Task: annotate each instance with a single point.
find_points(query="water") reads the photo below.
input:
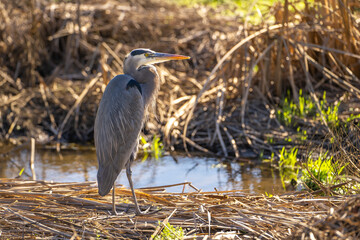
(204, 173)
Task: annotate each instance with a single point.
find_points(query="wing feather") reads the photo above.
(117, 127)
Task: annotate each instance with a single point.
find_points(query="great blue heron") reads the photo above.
(121, 115)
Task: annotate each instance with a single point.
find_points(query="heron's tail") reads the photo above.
(106, 177)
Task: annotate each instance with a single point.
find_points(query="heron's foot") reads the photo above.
(138, 212)
(116, 213)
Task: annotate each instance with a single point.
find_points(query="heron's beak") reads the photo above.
(163, 57)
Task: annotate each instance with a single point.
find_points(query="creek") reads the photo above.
(203, 172)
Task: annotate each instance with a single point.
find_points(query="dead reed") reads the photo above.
(45, 209)
(55, 57)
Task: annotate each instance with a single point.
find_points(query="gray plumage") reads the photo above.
(121, 115)
(116, 141)
(119, 121)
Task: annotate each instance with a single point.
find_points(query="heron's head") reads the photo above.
(140, 57)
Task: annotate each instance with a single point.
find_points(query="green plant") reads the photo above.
(21, 172)
(306, 105)
(170, 232)
(254, 11)
(270, 140)
(302, 134)
(289, 110)
(269, 195)
(352, 117)
(322, 170)
(155, 148)
(306, 108)
(288, 158)
(285, 114)
(287, 166)
(330, 112)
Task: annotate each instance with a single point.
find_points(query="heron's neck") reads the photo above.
(148, 78)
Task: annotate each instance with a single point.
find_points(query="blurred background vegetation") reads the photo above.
(265, 76)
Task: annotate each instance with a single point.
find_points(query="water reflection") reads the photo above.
(204, 173)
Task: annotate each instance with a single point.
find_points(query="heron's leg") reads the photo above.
(128, 174)
(113, 200)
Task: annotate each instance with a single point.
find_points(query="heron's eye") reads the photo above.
(146, 54)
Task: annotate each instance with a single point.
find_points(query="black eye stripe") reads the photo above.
(138, 52)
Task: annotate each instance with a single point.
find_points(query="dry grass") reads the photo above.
(342, 223)
(75, 210)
